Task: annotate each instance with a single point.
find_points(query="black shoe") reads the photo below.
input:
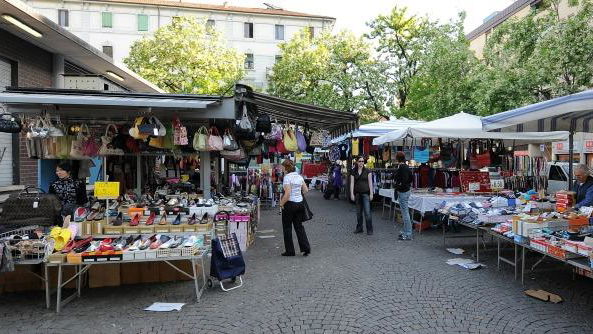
(357, 231)
(306, 253)
(287, 254)
(369, 232)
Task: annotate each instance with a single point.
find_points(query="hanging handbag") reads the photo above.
(37, 129)
(200, 142)
(135, 130)
(214, 140)
(179, 133)
(421, 154)
(78, 147)
(280, 148)
(162, 130)
(274, 135)
(263, 124)
(229, 143)
(290, 141)
(91, 146)
(53, 130)
(234, 155)
(149, 128)
(245, 128)
(132, 145)
(32, 206)
(9, 123)
(317, 139)
(301, 141)
(307, 214)
(107, 147)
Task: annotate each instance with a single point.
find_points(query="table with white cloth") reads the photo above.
(388, 202)
(427, 202)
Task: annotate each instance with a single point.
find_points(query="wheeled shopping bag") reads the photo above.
(227, 261)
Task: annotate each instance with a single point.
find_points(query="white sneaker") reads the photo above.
(191, 241)
(167, 244)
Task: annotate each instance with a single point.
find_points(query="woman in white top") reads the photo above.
(293, 210)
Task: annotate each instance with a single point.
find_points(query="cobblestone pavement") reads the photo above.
(349, 284)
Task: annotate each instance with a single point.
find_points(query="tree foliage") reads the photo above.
(187, 57)
(333, 71)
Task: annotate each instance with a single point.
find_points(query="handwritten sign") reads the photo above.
(474, 186)
(107, 190)
(497, 184)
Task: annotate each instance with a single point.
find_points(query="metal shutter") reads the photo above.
(5, 138)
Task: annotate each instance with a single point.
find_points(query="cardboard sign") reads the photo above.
(107, 190)
(469, 179)
(497, 184)
(474, 186)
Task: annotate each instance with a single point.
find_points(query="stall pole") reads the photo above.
(205, 172)
(138, 175)
(104, 162)
(570, 153)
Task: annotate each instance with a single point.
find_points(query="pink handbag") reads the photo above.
(215, 142)
(179, 133)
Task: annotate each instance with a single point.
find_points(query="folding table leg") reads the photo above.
(46, 282)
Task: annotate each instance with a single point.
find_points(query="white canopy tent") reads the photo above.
(465, 126)
(377, 129)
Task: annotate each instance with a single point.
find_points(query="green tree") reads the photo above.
(187, 57)
(443, 82)
(400, 42)
(536, 58)
(333, 71)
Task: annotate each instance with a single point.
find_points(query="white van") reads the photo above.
(557, 173)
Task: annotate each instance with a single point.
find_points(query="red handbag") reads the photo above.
(280, 148)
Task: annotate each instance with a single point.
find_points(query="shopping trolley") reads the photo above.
(227, 261)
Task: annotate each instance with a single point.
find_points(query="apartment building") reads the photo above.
(517, 9)
(114, 25)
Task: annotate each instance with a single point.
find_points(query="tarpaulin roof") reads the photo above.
(573, 106)
(377, 129)
(335, 121)
(465, 126)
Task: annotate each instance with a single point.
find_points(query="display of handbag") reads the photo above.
(37, 129)
(234, 155)
(200, 142)
(9, 123)
(179, 133)
(228, 142)
(214, 140)
(78, 146)
(326, 138)
(31, 208)
(317, 139)
(149, 128)
(301, 141)
(245, 128)
(57, 130)
(274, 135)
(263, 123)
(135, 130)
(132, 145)
(290, 141)
(280, 148)
(107, 147)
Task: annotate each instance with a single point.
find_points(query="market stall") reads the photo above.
(146, 206)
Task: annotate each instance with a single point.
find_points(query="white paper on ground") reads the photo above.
(458, 260)
(164, 307)
(266, 236)
(457, 251)
(265, 231)
(471, 266)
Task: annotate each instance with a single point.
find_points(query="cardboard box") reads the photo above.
(189, 228)
(87, 228)
(131, 230)
(143, 229)
(112, 230)
(57, 258)
(176, 228)
(104, 275)
(98, 226)
(161, 229)
(74, 258)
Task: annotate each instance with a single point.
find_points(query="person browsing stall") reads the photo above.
(583, 186)
(403, 182)
(293, 210)
(361, 192)
(70, 192)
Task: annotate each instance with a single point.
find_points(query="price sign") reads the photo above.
(497, 184)
(474, 186)
(107, 190)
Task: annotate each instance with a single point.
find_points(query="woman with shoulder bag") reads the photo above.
(293, 210)
(361, 192)
(403, 181)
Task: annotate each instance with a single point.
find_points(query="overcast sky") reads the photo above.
(353, 14)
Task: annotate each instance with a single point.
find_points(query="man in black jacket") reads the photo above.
(403, 181)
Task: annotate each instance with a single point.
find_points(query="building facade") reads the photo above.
(114, 25)
(518, 9)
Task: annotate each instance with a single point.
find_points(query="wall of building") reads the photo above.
(34, 69)
(85, 22)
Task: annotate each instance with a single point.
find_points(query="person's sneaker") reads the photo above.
(357, 231)
(404, 237)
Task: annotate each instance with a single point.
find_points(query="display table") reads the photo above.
(84, 267)
(427, 202)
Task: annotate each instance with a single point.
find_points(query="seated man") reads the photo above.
(583, 186)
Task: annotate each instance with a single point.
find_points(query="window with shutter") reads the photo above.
(63, 17)
(142, 22)
(249, 61)
(248, 30)
(108, 50)
(279, 32)
(107, 20)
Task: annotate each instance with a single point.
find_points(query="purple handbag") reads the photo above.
(301, 141)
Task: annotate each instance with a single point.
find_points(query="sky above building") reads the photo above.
(354, 14)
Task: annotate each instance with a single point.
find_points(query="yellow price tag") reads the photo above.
(107, 190)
